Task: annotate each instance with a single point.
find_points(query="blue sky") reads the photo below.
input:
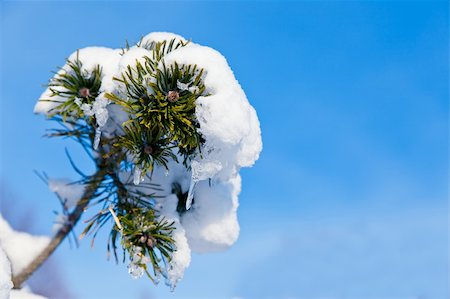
(349, 197)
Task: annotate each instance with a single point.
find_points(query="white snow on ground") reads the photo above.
(181, 257)
(232, 134)
(17, 249)
(5, 275)
(24, 294)
(21, 248)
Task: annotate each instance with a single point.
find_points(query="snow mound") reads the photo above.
(212, 224)
(21, 248)
(5, 276)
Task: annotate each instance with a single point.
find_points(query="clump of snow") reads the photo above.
(107, 58)
(181, 257)
(5, 276)
(97, 109)
(212, 224)
(137, 175)
(21, 248)
(133, 55)
(68, 192)
(230, 127)
(134, 268)
(6, 285)
(60, 221)
(228, 124)
(155, 37)
(24, 294)
(90, 57)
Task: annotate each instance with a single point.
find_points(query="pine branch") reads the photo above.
(62, 233)
(160, 101)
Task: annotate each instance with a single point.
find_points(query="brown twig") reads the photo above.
(73, 218)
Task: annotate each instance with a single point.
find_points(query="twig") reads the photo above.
(73, 218)
(116, 220)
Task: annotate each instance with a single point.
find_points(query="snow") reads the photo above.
(90, 57)
(17, 250)
(101, 116)
(228, 124)
(227, 121)
(98, 108)
(60, 221)
(21, 248)
(137, 258)
(181, 257)
(24, 294)
(185, 86)
(5, 276)
(69, 193)
(231, 129)
(137, 175)
(133, 55)
(212, 224)
(160, 37)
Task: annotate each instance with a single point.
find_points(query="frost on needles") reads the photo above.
(168, 128)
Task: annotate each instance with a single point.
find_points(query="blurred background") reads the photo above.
(349, 196)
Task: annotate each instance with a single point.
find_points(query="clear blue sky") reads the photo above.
(349, 197)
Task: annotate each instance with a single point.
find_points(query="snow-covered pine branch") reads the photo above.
(169, 127)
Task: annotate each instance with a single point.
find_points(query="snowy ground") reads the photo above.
(17, 250)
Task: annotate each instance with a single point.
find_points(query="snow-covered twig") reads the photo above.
(65, 229)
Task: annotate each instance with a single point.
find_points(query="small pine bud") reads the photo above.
(148, 149)
(173, 96)
(143, 239)
(151, 242)
(84, 92)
